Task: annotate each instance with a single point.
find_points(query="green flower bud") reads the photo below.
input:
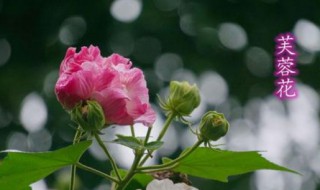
(183, 99)
(89, 115)
(213, 125)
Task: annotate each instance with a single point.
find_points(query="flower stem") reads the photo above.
(135, 164)
(171, 163)
(166, 126)
(97, 172)
(131, 172)
(162, 133)
(113, 164)
(76, 139)
(147, 135)
(132, 131)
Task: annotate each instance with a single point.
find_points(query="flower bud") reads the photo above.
(213, 125)
(183, 99)
(89, 115)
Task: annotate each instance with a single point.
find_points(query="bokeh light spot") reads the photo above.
(187, 24)
(40, 141)
(263, 179)
(5, 51)
(49, 82)
(184, 75)
(17, 141)
(39, 185)
(33, 114)
(306, 57)
(258, 61)
(307, 34)
(232, 36)
(213, 87)
(167, 64)
(126, 10)
(198, 112)
(72, 29)
(241, 131)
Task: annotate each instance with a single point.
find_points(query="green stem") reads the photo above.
(132, 131)
(173, 162)
(166, 126)
(162, 133)
(113, 164)
(135, 164)
(138, 170)
(131, 172)
(97, 172)
(147, 135)
(76, 139)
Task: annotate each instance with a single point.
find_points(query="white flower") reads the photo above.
(167, 184)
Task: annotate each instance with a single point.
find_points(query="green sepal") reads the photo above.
(89, 115)
(182, 100)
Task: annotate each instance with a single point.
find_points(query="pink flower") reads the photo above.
(120, 89)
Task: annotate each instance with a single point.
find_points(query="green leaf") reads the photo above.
(219, 164)
(20, 169)
(166, 160)
(129, 141)
(139, 181)
(154, 145)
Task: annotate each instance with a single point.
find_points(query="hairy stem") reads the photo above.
(76, 139)
(135, 164)
(113, 163)
(162, 133)
(166, 126)
(131, 172)
(147, 135)
(171, 163)
(132, 131)
(97, 172)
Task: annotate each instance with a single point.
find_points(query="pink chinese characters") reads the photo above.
(118, 87)
(285, 66)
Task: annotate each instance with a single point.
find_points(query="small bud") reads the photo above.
(89, 115)
(213, 125)
(183, 99)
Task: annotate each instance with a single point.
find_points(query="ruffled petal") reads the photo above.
(71, 89)
(148, 118)
(118, 62)
(68, 65)
(113, 102)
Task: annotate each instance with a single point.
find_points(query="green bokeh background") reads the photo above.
(32, 28)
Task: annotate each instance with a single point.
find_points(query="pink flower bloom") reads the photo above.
(120, 89)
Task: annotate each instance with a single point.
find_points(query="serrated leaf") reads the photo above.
(139, 181)
(220, 164)
(154, 145)
(129, 141)
(20, 169)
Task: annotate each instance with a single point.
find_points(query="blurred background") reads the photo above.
(224, 46)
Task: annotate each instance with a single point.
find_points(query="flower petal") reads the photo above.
(71, 89)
